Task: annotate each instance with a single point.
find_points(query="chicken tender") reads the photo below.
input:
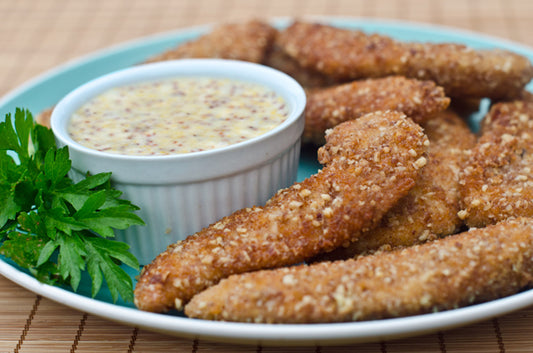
(279, 60)
(327, 107)
(246, 41)
(463, 72)
(497, 182)
(459, 270)
(370, 163)
(430, 208)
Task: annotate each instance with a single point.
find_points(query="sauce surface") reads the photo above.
(173, 116)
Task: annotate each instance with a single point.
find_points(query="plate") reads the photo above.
(46, 89)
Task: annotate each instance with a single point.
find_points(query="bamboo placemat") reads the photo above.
(38, 35)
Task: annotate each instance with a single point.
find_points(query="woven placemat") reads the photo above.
(36, 36)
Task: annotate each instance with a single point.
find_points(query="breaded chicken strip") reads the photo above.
(328, 107)
(278, 59)
(463, 72)
(370, 163)
(497, 182)
(459, 270)
(430, 208)
(247, 41)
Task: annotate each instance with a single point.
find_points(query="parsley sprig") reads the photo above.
(56, 228)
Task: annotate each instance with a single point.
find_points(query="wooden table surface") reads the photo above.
(37, 35)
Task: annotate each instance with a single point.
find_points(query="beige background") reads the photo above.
(37, 35)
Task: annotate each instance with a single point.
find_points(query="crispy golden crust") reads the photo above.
(327, 107)
(450, 143)
(497, 182)
(278, 59)
(369, 163)
(246, 41)
(430, 208)
(471, 267)
(462, 71)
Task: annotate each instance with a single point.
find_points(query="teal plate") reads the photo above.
(47, 89)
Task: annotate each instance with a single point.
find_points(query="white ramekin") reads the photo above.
(180, 194)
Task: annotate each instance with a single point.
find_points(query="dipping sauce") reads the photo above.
(173, 116)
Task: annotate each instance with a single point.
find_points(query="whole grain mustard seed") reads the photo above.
(175, 116)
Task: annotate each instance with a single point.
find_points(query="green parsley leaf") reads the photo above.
(9, 208)
(23, 249)
(102, 253)
(52, 226)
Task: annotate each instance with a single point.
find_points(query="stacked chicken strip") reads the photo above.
(411, 212)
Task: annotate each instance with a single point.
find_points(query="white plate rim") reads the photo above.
(267, 334)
